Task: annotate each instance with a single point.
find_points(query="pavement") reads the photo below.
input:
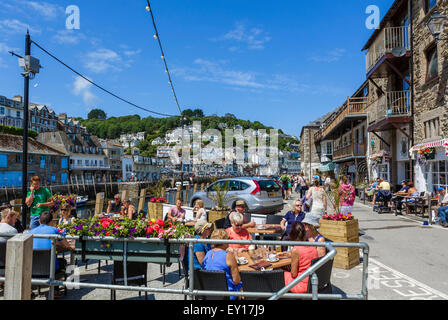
(407, 261)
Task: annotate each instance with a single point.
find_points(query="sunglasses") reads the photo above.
(238, 225)
(64, 210)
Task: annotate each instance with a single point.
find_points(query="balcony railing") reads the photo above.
(353, 106)
(350, 150)
(387, 40)
(392, 104)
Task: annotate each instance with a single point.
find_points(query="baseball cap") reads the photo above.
(240, 203)
(201, 225)
(440, 189)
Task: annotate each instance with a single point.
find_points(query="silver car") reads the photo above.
(261, 195)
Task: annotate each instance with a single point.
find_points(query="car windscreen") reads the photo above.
(268, 185)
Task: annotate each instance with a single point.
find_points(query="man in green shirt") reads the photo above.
(38, 199)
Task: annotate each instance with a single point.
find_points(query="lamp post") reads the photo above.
(435, 25)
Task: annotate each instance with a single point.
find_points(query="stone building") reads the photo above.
(49, 164)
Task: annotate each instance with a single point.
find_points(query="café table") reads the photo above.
(285, 260)
(265, 229)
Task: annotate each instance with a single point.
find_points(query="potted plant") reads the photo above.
(219, 196)
(155, 204)
(342, 228)
(92, 230)
(428, 153)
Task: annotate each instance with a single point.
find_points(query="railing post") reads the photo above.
(191, 269)
(314, 286)
(18, 269)
(52, 268)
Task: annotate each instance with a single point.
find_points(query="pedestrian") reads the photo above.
(346, 193)
(303, 185)
(317, 194)
(442, 210)
(39, 200)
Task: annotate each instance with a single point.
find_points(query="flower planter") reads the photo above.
(216, 215)
(342, 231)
(155, 210)
(136, 251)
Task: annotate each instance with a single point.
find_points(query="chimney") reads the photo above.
(18, 98)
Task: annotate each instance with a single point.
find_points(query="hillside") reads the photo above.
(111, 128)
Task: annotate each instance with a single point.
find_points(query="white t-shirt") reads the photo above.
(6, 228)
(445, 199)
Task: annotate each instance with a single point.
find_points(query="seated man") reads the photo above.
(442, 210)
(240, 207)
(176, 213)
(237, 232)
(402, 193)
(45, 227)
(382, 185)
(115, 205)
(9, 218)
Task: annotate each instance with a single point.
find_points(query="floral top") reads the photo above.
(347, 193)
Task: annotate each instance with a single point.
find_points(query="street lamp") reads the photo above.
(436, 24)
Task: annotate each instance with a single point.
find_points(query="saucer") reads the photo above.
(273, 260)
(242, 263)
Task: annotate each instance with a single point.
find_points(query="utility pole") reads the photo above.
(26, 76)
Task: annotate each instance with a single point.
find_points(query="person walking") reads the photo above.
(347, 196)
(39, 200)
(303, 185)
(319, 203)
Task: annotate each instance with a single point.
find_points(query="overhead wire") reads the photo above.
(157, 37)
(100, 87)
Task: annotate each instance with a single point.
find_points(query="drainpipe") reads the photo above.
(411, 125)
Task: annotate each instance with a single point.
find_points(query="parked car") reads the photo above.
(261, 195)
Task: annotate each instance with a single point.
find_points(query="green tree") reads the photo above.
(97, 114)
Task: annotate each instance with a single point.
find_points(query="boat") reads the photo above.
(81, 201)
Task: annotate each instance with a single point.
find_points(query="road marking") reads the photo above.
(412, 283)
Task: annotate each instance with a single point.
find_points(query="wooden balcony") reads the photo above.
(391, 109)
(351, 150)
(388, 40)
(352, 108)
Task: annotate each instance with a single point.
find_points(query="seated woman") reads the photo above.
(176, 213)
(300, 258)
(202, 229)
(218, 259)
(128, 210)
(199, 211)
(312, 235)
(295, 215)
(411, 197)
(237, 232)
(66, 216)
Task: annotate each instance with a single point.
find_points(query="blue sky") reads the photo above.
(283, 63)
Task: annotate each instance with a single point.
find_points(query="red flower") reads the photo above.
(107, 234)
(156, 227)
(149, 230)
(160, 222)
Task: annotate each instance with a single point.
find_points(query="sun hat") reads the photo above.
(440, 189)
(201, 225)
(311, 219)
(240, 203)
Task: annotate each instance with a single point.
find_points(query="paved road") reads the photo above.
(407, 261)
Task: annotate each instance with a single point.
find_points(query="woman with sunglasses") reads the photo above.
(65, 213)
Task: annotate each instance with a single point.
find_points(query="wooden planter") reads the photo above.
(216, 215)
(136, 251)
(342, 231)
(155, 210)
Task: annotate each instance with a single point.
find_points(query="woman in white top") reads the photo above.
(199, 211)
(319, 204)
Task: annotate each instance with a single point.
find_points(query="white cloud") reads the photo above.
(68, 37)
(14, 26)
(81, 87)
(211, 71)
(103, 60)
(252, 38)
(130, 53)
(45, 9)
(332, 56)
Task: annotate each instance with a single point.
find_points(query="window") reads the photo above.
(18, 114)
(30, 159)
(432, 69)
(436, 175)
(429, 4)
(53, 161)
(3, 160)
(18, 158)
(432, 128)
(328, 149)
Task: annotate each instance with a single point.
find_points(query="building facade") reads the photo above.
(49, 164)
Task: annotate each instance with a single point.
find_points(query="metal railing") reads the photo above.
(393, 104)
(191, 292)
(352, 149)
(386, 41)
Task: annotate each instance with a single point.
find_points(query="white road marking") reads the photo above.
(412, 283)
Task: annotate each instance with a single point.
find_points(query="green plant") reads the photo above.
(220, 196)
(157, 189)
(333, 194)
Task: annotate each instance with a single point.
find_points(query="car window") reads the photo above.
(268, 185)
(234, 185)
(219, 184)
(244, 186)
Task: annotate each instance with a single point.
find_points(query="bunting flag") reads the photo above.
(442, 143)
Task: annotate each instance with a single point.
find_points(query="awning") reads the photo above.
(442, 143)
(381, 154)
(327, 167)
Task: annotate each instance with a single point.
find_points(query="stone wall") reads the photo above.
(307, 149)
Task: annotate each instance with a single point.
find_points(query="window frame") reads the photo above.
(429, 54)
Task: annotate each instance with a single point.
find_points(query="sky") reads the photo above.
(283, 63)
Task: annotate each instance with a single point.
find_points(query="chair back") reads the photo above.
(220, 223)
(323, 275)
(247, 217)
(136, 272)
(262, 281)
(211, 280)
(41, 263)
(273, 219)
(2, 253)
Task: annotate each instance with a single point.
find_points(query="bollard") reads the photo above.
(195, 188)
(141, 201)
(187, 190)
(125, 195)
(178, 193)
(19, 264)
